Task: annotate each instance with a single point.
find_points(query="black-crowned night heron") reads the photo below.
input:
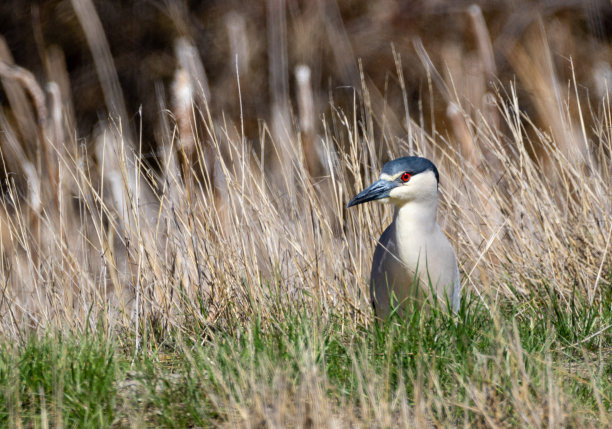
(413, 254)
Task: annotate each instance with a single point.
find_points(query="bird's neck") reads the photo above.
(417, 215)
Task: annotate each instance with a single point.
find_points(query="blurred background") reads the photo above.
(264, 42)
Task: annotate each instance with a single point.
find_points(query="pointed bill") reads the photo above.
(376, 191)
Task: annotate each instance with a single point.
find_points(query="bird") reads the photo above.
(413, 255)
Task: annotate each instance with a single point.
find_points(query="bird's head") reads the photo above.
(403, 180)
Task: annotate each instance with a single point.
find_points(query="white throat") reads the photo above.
(416, 231)
(416, 216)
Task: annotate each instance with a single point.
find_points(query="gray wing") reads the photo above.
(386, 271)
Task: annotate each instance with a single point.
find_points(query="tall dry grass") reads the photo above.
(92, 229)
(218, 228)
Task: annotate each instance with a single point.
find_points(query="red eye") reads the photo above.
(405, 177)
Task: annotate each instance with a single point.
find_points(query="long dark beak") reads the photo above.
(376, 191)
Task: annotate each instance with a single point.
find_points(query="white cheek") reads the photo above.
(400, 193)
(383, 200)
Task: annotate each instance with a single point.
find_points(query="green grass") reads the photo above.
(514, 355)
(62, 378)
(213, 245)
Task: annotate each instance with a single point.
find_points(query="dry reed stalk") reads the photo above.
(601, 75)
(431, 69)
(397, 59)
(103, 60)
(483, 40)
(306, 113)
(63, 143)
(534, 66)
(388, 121)
(235, 24)
(278, 83)
(28, 82)
(172, 192)
(488, 68)
(13, 154)
(21, 107)
(189, 60)
(339, 42)
(462, 133)
(182, 91)
(57, 72)
(191, 101)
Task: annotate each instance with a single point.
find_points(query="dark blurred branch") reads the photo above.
(26, 79)
(103, 59)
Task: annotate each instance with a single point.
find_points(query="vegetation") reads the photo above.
(202, 270)
(537, 367)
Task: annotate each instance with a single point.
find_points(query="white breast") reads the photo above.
(412, 252)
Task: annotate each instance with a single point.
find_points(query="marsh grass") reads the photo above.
(221, 281)
(498, 368)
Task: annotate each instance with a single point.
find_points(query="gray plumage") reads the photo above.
(413, 256)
